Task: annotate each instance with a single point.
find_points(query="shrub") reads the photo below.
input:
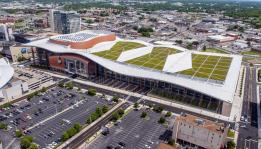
(69, 85)
(65, 136)
(44, 89)
(105, 108)
(26, 142)
(158, 109)
(168, 114)
(136, 105)
(231, 145)
(77, 127)
(92, 92)
(61, 84)
(3, 126)
(161, 120)
(120, 112)
(115, 99)
(18, 133)
(33, 146)
(115, 116)
(171, 142)
(143, 115)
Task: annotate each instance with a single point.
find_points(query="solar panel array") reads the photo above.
(76, 37)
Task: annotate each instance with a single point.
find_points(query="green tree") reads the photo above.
(26, 142)
(3, 126)
(69, 85)
(231, 145)
(115, 99)
(105, 108)
(143, 114)
(65, 136)
(171, 142)
(71, 132)
(44, 89)
(61, 84)
(179, 41)
(18, 133)
(120, 112)
(91, 92)
(161, 120)
(77, 127)
(33, 146)
(99, 111)
(115, 116)
(136, 105)
(168, 114)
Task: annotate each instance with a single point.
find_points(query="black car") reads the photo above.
(109, 147)
(122, 144)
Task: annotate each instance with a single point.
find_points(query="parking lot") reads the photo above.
(26, 114)
(134, 132)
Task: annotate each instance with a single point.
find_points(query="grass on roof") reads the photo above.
(209, 67)
(252, 52)
(117, 49)
(215, 50)
(155, 60)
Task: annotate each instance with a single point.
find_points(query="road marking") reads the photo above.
(10, 143)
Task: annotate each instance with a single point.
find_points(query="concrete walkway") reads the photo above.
(258, 117)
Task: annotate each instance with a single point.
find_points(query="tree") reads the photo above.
(77, 127)
(168, 114)
(158, 109)
(91, 92)
(204, 48)
(18, 133)
(105, 109)
(115, 116)
(115, 99)
(120, 112)
(71, 132)
(44, 89)
(231, 145)
(26, 142)
(99, 111)
(69, 85)
(136, 105)
(33, 146)
(179, 41)
(3, 126)
(171, 142)
(143, 115)
(61, 84)
(161, 120)
(65, 136)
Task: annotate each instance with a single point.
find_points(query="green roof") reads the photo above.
(155, 60)
(211, 67)
(117, 49)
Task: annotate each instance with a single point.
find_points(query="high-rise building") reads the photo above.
(6, 33)
(65, 22)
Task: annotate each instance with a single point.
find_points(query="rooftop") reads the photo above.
(203, 123)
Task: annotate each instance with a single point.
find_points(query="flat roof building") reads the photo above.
(195, 131)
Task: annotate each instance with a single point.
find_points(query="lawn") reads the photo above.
(258, 53)
(210, 67)
(156, 59)
(215, 50)
(117, 49)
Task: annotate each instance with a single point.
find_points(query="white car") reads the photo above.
(147, 146)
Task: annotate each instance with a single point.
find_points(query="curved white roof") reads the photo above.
(6, 71)
(224, 92)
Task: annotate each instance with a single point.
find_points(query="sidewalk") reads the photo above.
(258, 117)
